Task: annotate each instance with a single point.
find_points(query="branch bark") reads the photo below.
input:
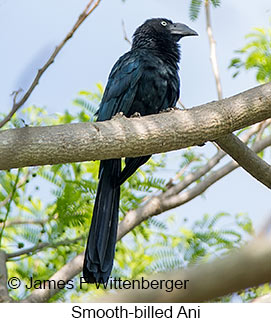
(16, 105)
(246, 158)
(248, 267)
(32, 146)
(4, 297)
(263, 299)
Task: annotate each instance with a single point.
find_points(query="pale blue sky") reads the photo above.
(30, 30)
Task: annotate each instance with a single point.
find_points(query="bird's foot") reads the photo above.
(136, 115)
(24, 123)
(118, 115)
(172, 109)
(169, 109)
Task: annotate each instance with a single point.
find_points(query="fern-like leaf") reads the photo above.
(194, 9)
(216, 3)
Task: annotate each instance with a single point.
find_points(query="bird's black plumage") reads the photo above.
(144, 80)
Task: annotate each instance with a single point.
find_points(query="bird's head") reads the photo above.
(161, 29)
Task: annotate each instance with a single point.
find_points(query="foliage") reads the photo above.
(195, 6)
(255, 55)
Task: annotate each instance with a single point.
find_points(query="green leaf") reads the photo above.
(194, 9)
(216, 3)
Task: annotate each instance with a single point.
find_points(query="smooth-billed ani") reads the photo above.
(144, 80)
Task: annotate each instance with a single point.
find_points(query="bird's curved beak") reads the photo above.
(179, 30)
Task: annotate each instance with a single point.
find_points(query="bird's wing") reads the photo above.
(121, 87)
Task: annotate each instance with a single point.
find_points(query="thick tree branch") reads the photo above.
(251, 266)
(246, 158)
(16, 105)
(148, 135)
(248, 267)
(4, 297)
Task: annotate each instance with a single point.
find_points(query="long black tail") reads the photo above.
(100, 250)
(131, 165)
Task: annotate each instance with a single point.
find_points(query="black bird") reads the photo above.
(144, 80)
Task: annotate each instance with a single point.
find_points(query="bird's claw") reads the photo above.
(169, 109)
(118, 115)
(136, 115)
(24, 123)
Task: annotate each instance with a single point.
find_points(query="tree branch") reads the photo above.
(20, 183)
(173, 130)
(196, 175)
(43, 245)
(9, 205)
(248, 267)
(68, 271)
(263, 299)
(11, 223)
(213, 56)
(166, 201)
(124, 33)
(4, 297)
(246, 158)
(16, 105)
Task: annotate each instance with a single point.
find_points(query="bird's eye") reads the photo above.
(163, 23)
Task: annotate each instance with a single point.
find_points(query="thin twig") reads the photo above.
(9, 204)
(12, 223)
(212, 162)
(16, 105)
(266, 229)
(213, 55)
(43, 245)
(124, 33)
(263, 126)
(21, 183)
(181, 104)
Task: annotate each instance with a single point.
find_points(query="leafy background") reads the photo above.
(52, 205)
